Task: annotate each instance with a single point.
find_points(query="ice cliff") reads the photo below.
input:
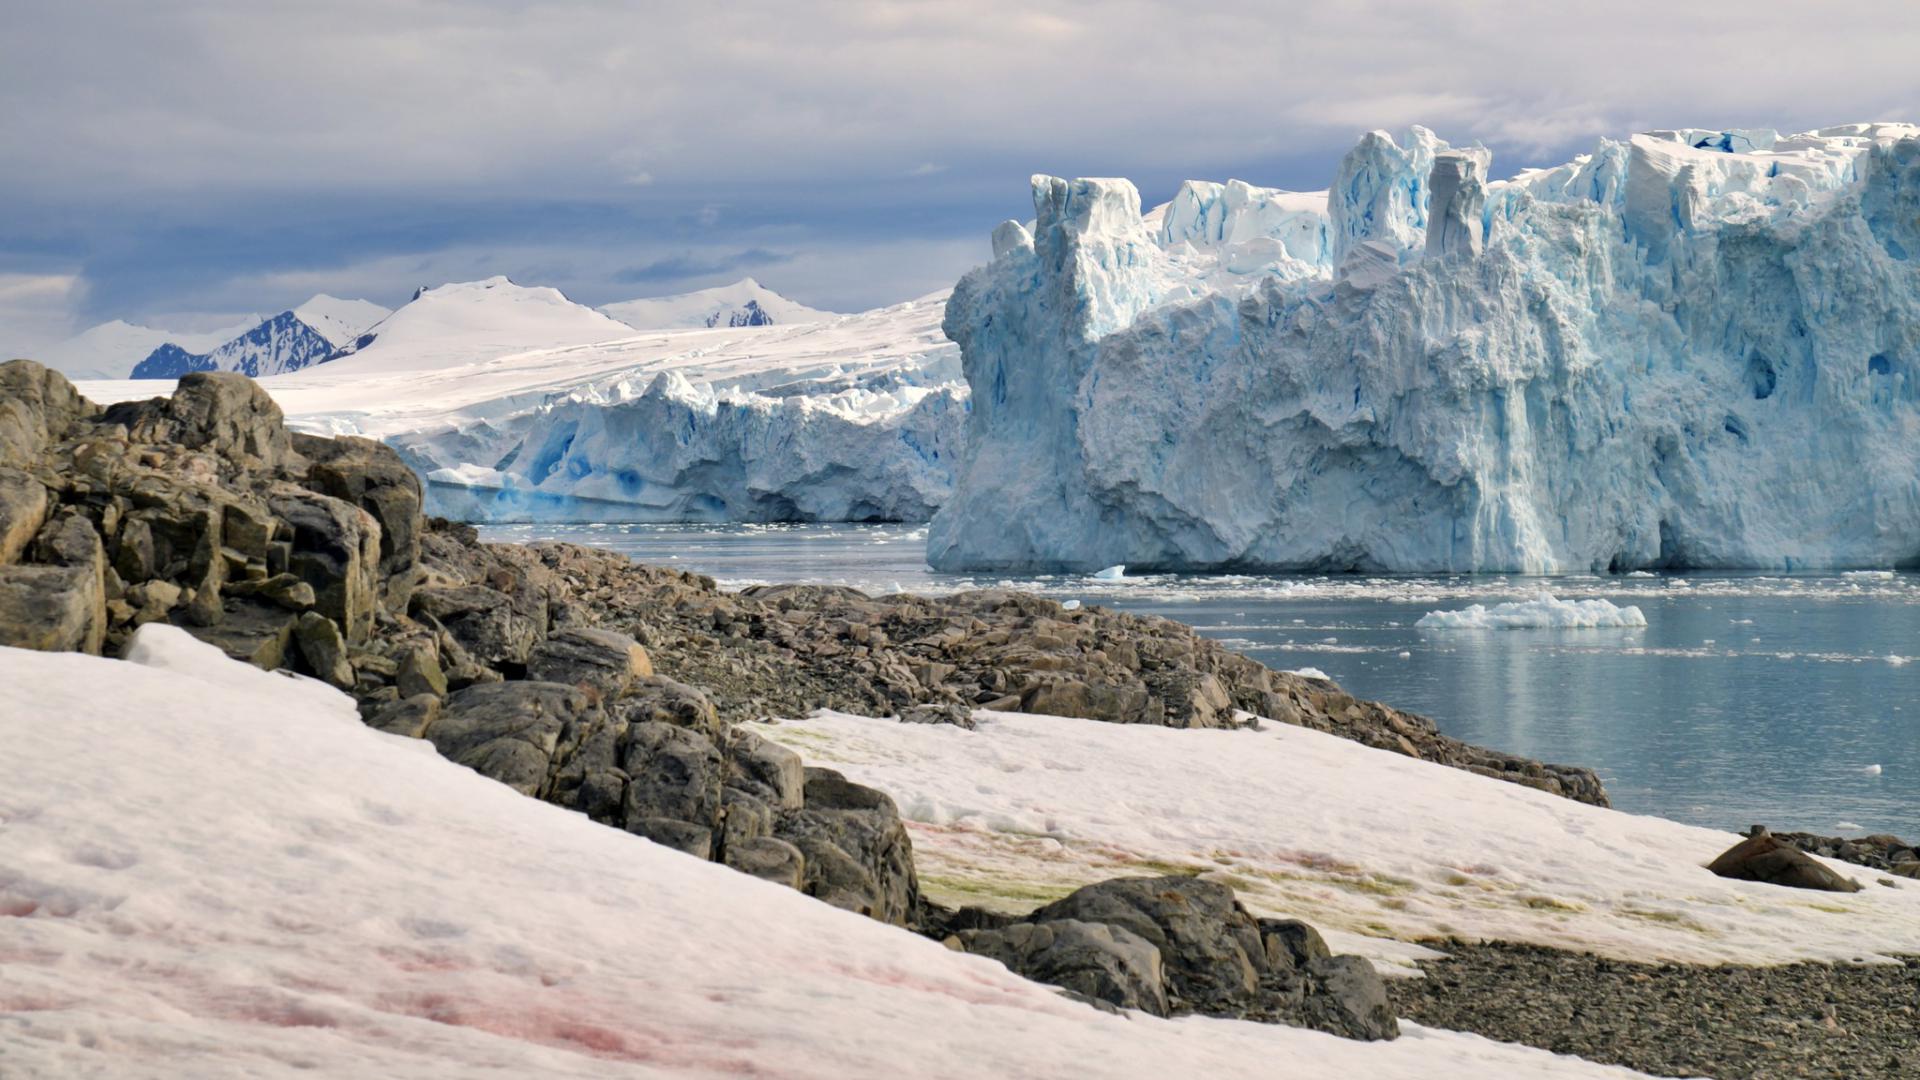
(1691, 348)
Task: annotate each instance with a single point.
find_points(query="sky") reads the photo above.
(188, 162)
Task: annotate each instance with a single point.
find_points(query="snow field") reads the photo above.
(210, 871)
(1374, 848)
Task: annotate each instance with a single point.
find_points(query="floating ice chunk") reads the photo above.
(1071, 605)
(1309, 673)
(1899, 661)
(1871, 770)
(1404, 655)
(1111, 573)
(1541, 610)
(1849, 826)
(1874, 575)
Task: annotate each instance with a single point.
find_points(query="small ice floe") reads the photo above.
(1070, 605)
(1871, 770)
(1541, 610)
(1111, 573)
(1849, 826)
(1899, 661)
(1406, 655)
(1309, 673)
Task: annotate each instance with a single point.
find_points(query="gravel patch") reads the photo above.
(1795, 1020)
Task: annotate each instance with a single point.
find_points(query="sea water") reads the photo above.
(1746, 697)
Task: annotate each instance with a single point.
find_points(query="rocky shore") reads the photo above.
(613, 689)
(1788, 1021)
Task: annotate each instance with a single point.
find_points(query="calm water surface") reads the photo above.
(1746, 698)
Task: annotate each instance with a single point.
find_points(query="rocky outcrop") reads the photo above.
(1176, 945)
(580, 678)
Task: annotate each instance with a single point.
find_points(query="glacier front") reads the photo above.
(1692, 348)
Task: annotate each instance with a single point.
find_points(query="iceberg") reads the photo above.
(1690, 348)
(1542, 610)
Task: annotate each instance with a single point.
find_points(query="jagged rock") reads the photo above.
(955, 715)
(604, 660)
(336, 550)
(1094, 960)
(482, 620)
(766, 770)
(38, 407)
(370, 475)
(1763, 857)
(420, 673)
(1221, 961)
(673, 773)
(324, 649)
(23, 509)
(510, 731)
(227, 413)
(858, 855)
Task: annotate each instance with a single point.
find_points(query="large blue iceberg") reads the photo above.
(1688, 349)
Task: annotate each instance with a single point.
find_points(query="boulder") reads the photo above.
(371, 476)
(23, 509)
(769, 859)
(603, 660)
(51, 608)
(673, 773)
(38, 407)
(324, 650)
(1211, 948)
(420, 673)
(335, 549)
(228, 414)
(483, 620)
(765, 769)
(251, 630)
(1093, 960)
(1763, 857)
(858, 854)
(510, 731)
(658, 698)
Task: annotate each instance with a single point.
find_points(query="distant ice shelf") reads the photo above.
(1691, 348)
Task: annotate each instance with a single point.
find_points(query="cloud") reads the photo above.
(685, 265)
(37, 310)
(176, 152)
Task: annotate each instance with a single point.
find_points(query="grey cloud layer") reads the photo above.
(136, 117)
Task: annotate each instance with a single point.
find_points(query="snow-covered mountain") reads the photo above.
(744, 303)
(111, 349)
(856, 419)
(1690, 348)
(466, 321)
(289, 341)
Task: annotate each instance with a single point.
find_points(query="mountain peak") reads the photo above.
(743, 303)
